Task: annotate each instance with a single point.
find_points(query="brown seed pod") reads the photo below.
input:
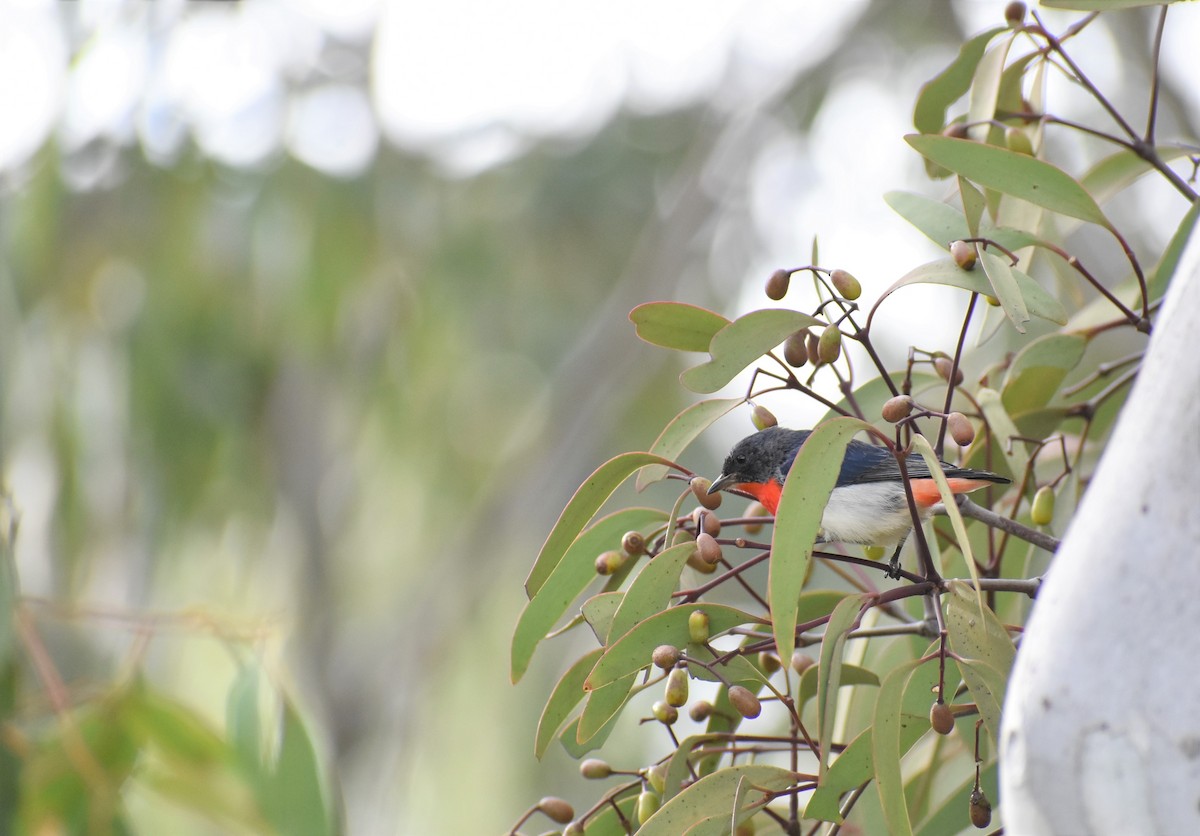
(777, 284)
(961, 429)
(762, 418)
(744, 701)
(801, 661)
(964, 254)
(664, 712)
(812, 343)
(941, 718)
(769, 662)
(708, 522)
(897, 408)
(609, 562)
(1014, 14)
(666, 656)
(594, 768)
(709, 548)
(981, 809)
(845, 284)
(677, 687)
(701, 710)
(556, 809)
(795, 351)
(944, 366)
(633, 543)
(700, 486)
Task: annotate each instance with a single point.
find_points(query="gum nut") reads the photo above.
(762, 418)
(941, 718)
(709, 548)
(666, 656)
(1042, 512)
(846, 284)
(744, 701)
(777, 284)
(795, 350)
(961, 429)
(897, 408)
(829, 346)
(556, 809)
(698, 626)
(964, 254)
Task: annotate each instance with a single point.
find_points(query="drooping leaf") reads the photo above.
(886, 749)
(598, 612)
(829, 674)
(602, 707)
(713, 795)
(849, 675)
(676, 325)
(1038, 370)
(1011, 173)
(682, 431)
(973, 205)
(651, 590)
(801, 505)
(948, 86)
(1015, 454)
(631, 652)
(567, 694)
(295, 800)
(985, 649)
(741, 342)
(944, 271)
(242, 722)
(1003, 279)
(942, 223)
(579, 511)
(985, 87)
(572, 574)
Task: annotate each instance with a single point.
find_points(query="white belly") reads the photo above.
(875, 513)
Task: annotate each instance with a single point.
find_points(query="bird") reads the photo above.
(868, 503)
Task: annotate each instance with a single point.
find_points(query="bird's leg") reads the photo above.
(894, 567)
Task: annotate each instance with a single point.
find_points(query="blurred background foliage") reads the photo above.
(323, 418)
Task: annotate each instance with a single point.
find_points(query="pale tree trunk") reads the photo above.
(1101, 726)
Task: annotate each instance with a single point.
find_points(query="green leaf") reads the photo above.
(294, 800)
(886, 748)
(743, 341)
(801, 505)
(569, 578)
(1004, 284)
(1015, 455)
(8, 582)
(603, 705)
(850, 675)
(599, 610)
(1100, 5)
(177, 732)
(973, 205)
(985, 647)
(579, 511)
(948, 816)
(942, 223)
(242, 721)
(713, 795)
(682, 431)
(944, 271)
(856, 764)
(677, 766)
(1114, 173)
(676, 325)
(948, 86)
(631, 652)
(1013, 174)
(651, 590)
(607, 822)
(985, 87)
(1038, 370)
(829, 674)
(1169, 262)
(567, 694)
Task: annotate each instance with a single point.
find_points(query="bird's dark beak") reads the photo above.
(721, 482)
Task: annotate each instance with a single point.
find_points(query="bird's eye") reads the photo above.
(741, 459)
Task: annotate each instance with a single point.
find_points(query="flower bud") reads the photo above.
(944, 366)
(961, 429)
(610, 562)
(647, 805)
(801, 661)
(709, 548)
(664, 712)
(777, 284)
(1042, 512)
(762, 418)
(701, 710)
(795, 352)
(845, 284)
(981, 809)
(633, 543)
(1017, 141)
(897, 408)
(700, 486)
(829, 346)
(677, 688)
(1014, 14)
(964, 254)
(594, 768)
(941, 718)
(556, 809)
(744, 701)
(666, 656)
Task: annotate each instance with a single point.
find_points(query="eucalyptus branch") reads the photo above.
(950, 385)
(1030, 535)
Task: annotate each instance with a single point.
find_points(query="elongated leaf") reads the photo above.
(985, 87)
(676, 325)
(973, 205)
(801, 505)
(567, 694)
(242, 723)
(947, 817)
(850, 675)
(603, 705)
(1011, 173)
(682, 431)
(677, 766)
(743, 341)
(922, 446)
(986, 650)
(294, 800)
(713, 795)
(948, 86)
(942, 223)
(886, 748)
(829, 675)
(579, 511)
(651, 590)
(1038, 370)
(569, 578)
(944, 271)
(1001, 423)
(607, 822)
(1004, 284)
(599, 610)
(631, 652)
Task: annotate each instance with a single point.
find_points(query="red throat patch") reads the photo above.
(765, 492)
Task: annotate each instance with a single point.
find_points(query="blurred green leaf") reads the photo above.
(886, 747)
(1005, 288)
(173, 728)
(1011, 173)
(742, 342)
(947, 817)
(631, 652)
(805, 492)
(294, 799)
(569, 578)
(682, 431)
(1111, 175)
(676, 325)
(713, 795)
(579, 511)
(948, 86)
(599, 610)
(1016, 455)
(242, 721)
(1038, 370)
(985, 649)
(944, 271)
(567, 694)
(829, 674)
(985, 87)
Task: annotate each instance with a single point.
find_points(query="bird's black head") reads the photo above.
(759, 458)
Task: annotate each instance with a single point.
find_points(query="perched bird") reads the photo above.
(867, 504)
